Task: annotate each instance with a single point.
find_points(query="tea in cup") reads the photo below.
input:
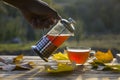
(79, 55)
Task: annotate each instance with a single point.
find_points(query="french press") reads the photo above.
(60, 32)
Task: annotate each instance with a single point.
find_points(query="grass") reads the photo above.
(16, 47)
(104, 41)
(97, 43)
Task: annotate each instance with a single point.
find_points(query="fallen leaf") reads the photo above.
(61, 67)
(98, 65)
(18, 59)
(60, 56)
(105, 57)
(1, 60)
(31, 64)
(24, 66)
(8, 67)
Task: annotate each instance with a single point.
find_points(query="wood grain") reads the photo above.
(38, 73)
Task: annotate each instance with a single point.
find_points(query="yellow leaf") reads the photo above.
(18, 59)
(60, 56)
(32, 64)
(105, 57)
(62, 67)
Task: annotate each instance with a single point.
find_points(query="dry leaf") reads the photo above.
(18, 59)
(60, 56)
(61, 67)
(105, 57)
(16, 63)
(32, 64)
(22, 67)
(6, 60)
(25, 66)
(97, 65)
(1, 60)
(8, 67)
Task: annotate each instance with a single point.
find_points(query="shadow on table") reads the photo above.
(78, 74)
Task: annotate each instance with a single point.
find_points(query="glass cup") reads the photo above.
(78, 55)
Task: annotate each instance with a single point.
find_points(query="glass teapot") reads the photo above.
(60, 32)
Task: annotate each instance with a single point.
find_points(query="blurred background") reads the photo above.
(97, 26)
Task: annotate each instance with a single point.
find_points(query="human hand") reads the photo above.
(39, 14)
(36, 12)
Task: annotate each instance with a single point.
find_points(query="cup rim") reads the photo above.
(78, 47)
(82, 48)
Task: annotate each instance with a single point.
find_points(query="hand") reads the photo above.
(39, 14)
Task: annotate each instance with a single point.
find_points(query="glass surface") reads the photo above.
(78, 55)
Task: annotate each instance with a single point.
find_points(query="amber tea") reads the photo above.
(58, 40)
(79, 55)
(54, 38)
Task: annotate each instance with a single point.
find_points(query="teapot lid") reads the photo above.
(68, 24)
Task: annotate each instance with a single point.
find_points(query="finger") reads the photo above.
(35, 23)
(43, 22)
(57, 16)
(39, 22)
(51, 21)
(42, 8)
(46, 24)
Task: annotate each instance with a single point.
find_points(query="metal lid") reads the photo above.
(68, 24)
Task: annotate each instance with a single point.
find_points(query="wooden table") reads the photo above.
(39, 74)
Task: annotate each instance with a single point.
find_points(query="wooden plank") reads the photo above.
(38, 73)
